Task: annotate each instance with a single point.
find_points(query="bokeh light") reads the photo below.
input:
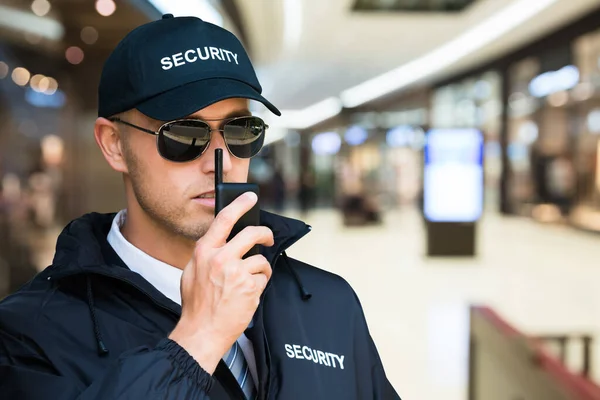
(105, 7)
(558, 99)
(20, 76)
(74, 55)
(52, 150)
(40, 7)
(35, 82)
(44, 84)
(3, 70)
(52, 86)
(89, 35)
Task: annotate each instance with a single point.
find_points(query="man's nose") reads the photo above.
(208, 158)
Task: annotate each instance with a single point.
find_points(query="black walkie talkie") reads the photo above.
(225, 193)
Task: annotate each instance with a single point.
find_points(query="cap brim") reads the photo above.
(187, 99)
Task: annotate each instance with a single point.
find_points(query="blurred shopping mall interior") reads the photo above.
(445, 152)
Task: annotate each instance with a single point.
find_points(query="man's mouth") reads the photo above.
(210, 195)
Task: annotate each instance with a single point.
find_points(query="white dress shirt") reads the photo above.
(163, 277)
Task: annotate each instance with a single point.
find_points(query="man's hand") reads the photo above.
(220, 291)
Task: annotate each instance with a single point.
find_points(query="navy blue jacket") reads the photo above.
(88, 328)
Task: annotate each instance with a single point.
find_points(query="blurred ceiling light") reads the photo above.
(398, 136)
(25, 21)
(89, 35)
(275, 134)
(74, 55)
(554, 81)
(356, 135)
(198, 8)
(3, 70)
(52, 86)
(20, 76)
(292, 26)
(40, 7)
(472, 40)
(584, 91)
(558, 99)
(105, 8)
(406, 136)
(327, 143)
(35, 82)
(307, 117)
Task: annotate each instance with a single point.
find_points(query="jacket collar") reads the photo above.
(82, 247)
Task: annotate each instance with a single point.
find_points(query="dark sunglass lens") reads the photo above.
(182, 141)
(245, 136)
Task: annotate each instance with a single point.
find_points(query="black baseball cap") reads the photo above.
(173, 67)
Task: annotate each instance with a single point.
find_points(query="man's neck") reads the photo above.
(151, 238)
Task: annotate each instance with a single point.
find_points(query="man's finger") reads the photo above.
(261, 281)
(224, 222)
(257, 264)
(241, 243)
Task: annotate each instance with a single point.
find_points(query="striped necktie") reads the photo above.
(238, 366)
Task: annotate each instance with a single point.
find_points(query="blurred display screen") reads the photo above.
(326, 143)
(453, 176)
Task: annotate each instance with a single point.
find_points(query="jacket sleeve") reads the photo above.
(164, 372)
(373, 384)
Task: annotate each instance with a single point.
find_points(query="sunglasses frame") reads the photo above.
(157, 133)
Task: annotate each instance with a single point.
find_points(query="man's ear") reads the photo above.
(110, 142)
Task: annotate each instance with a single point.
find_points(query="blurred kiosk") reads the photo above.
(452, 190)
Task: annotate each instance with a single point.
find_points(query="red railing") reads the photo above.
(579, 386)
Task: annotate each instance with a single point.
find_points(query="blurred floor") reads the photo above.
(543, 279)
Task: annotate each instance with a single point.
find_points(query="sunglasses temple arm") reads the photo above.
(218, 166)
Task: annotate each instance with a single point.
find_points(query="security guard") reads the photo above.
(153, 302)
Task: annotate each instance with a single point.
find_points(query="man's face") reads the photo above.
(168, 192)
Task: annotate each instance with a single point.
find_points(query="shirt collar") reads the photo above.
(164, 277)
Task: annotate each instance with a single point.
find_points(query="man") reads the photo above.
(154, 303)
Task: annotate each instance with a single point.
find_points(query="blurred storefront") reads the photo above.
(552, 130)
(539, 110)
(540, 134)
(374, 154)
(586, 124)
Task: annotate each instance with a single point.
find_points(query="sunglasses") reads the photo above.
(185, 140)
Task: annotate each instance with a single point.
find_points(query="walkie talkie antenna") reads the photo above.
(218, 166)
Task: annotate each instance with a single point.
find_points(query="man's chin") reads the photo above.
(195, 226)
